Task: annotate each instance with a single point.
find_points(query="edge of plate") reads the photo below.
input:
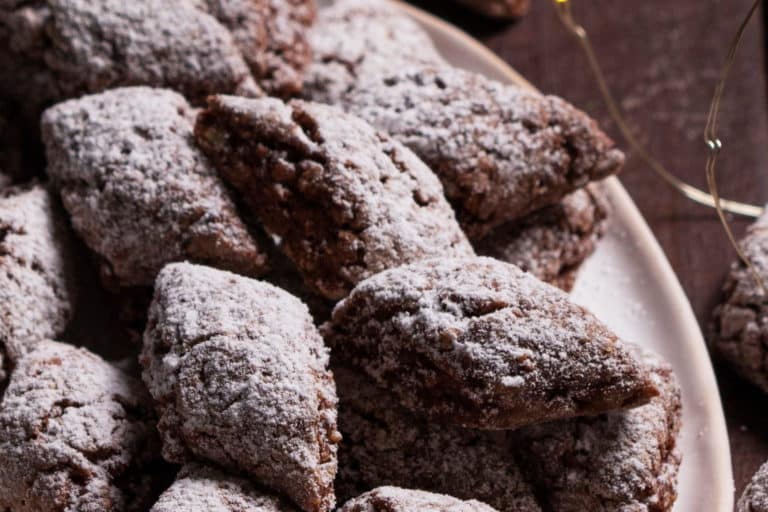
(662, 269)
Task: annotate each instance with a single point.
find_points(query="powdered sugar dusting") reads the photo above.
(60, 49)
(346, 201)
(385, 444)
(500, 151)
(201, 488)
(354, 39)
(740, 323)
(239, 375)
(37, 285)
(552, 243)
(443, 334)
(755, 496)
(75, 435)
(394, 499)
(271, 34)
(139, 192)
(623, 460)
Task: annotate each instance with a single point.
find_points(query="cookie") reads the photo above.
(755, 496)
(239, 376)
(394, 499)
(53, 50)
(272, 36)
(501, 151)
(479, 343)
(345, 201)
(624, 460)
(37, 279)
(384, 444)
(356, 38)
(504, 9)
(201, 488)
(139, 193)
(552, 243)
(739, 331)
(76, 434)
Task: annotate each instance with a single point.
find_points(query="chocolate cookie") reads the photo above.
(480, 343)
(37, 281)
(271, 35)
(384, 444)
(625, 460)
(504, 9)
(739, 333)
(53, 50)
(346, 202)
(75, 435)
(201, 488)
(239, 375)
(394, 499)
(354, 38)
(139, 192)
(755, 496)
(501, 151)
(552, 243)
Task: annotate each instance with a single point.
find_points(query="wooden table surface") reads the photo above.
(662, 60)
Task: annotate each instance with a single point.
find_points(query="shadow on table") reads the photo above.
(745, 410)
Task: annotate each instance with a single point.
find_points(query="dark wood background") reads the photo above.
(662, 59)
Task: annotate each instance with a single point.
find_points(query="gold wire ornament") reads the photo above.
(713, 143)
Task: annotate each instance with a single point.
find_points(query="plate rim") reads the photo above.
(651, 250)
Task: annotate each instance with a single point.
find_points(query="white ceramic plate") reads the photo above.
(630, 285)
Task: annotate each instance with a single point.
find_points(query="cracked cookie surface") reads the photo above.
(37, 281)
(200, 488)
(239, 376)
(385, 444)
(755, 495)
(394, 499)
(138, 191)
(76, 435)
(53, 50)
(740, 323)
(623, 460)
(552, 243)
(480, 343)
(354, 39)
(272, 36)
(346, 201)
(501, 151)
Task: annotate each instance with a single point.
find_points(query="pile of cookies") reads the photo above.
(340, 257)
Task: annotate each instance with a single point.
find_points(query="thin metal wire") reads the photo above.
(714, 145)
(689, 191)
